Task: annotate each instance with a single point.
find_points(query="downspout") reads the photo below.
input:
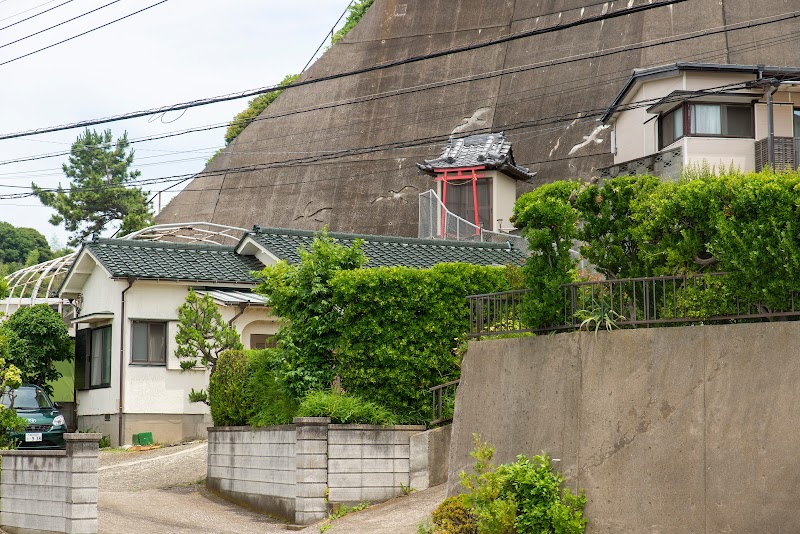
(774, 84)
(242, 308)
(121, 407)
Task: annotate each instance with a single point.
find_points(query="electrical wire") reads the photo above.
(323, 158)
(573, 87)
(6, 62)
(34, 15)
(571, 158)
(300, 83)
(329, 34)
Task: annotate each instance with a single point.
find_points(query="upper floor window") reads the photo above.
(670, 127)
(706, 119)
(149, 342)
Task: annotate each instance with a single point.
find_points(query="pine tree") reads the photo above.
(100, 191)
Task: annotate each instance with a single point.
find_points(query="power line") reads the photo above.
(683, 37)
(406, 61)
(445, 83)
(540, 120)
(35, 15)
(81, 34)
(329, 34)
(334, 155)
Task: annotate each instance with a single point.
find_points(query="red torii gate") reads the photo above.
(461, 173)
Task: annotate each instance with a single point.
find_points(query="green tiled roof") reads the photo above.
(160, 260)
(384, 251)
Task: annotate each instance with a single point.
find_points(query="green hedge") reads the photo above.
(744, 224)
(402, 326)
(246, 389)
(345, 409)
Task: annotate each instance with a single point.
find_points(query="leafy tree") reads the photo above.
(10, 379)
(254, 108)
(202, 333)
(302, 294)
(37, 338)
(100, 191)
(549, 221)
(3, 288)
(607, 232)
(21, 247)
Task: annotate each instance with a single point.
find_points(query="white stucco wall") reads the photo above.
(719, 153)
(101, 294)
(154, 389)
(505, 194)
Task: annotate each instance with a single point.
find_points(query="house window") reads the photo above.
(93, 358)
(263, 341)
(726, 120)
(706, 120)
(149, 342)
(671, 127)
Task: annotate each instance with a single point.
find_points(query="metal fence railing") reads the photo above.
(630, 302)
(444, 397)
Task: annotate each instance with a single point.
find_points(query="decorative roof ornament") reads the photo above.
(490, 151)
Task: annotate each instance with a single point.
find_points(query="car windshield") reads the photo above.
(27, 398)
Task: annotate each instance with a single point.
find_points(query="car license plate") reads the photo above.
(33, 437)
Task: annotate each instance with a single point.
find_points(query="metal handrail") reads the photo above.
(439, 394)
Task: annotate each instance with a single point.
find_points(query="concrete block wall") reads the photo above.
(51, 491)
(367, 463)
(298, 471)
(255, 467)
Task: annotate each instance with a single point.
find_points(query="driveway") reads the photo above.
(163, 491)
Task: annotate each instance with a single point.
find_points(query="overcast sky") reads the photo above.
(177, 51)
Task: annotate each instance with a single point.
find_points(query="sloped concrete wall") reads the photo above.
(51, 491)
(669, 430)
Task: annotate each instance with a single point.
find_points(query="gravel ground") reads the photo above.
(163, 491)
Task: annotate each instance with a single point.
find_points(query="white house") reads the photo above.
(689, 114)
(127, 293)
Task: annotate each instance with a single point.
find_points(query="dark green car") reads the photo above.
(46, 425)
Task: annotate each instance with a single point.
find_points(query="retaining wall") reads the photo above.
(51, 491)
(686, 429)
(298, 471)
(254, 467)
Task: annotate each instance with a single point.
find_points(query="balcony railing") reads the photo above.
(626, 303)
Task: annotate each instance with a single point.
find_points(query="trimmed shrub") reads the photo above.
(403, 326)
(229, 403)
(344, 408)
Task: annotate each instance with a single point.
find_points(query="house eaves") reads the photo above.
(639, 76)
